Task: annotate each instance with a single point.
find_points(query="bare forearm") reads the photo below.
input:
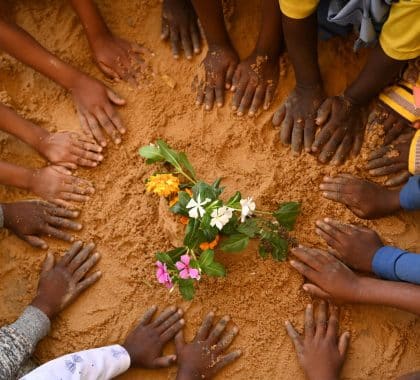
(400, 295)
(13, 175)
(379, 71)
(270, 39)
(211, 17)
(91, 18)
(24, 130)
(21, 45)
(301, 38)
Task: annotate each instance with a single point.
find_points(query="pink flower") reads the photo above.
(162, 275)
(185, 272)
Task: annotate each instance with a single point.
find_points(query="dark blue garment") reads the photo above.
(410, 194)
(395, 264)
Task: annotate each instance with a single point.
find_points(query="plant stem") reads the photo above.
(255, 211)
(180, 171)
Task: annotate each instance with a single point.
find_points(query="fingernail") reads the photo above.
(79, 227)
(240, 113)
(324, 194)
(72, 239)
(292, 262)
(233, 108)
(117, 141)
(251, 113)
(176, 56)
(305, 288)
(189, 57)
(327, 220)
(211, 314)
(44, 246)
(235, 330)
(227, 86)
(300, 246)
(180, 312)
(197, 103)
(103, 144)
(123, 130)
(207, 108)
(309, 306)
(318, 222)
(219, 105)
(75, 214)
(181, 321)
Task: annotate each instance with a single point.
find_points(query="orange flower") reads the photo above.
(163, 184)
(211, 245)
(188, 191)
(184, 219)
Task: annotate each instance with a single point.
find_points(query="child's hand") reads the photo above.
(145, 343)
(95, 105)
(320, 352)
(366, 199)
(204, 356)
(296, 118)
(342, 130)
(69, 149)
(219, 65)
(28, 220)
(254, 83)
(330, 278)
(394, 125)
(57, 185)
(60, 284)
(118, 58)
(179, 25)
(353, 245)
(392, 160)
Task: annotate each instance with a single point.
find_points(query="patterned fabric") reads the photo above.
(414, 157)
(102, 363)
(18, 341)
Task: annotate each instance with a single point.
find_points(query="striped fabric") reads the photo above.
(414, 158)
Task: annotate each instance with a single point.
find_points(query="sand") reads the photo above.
(124, 221)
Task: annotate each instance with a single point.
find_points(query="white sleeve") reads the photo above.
(97, 364)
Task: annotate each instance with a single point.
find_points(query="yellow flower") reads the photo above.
(163, 184)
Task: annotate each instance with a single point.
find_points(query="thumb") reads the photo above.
(316, 291)
(324, 112)
(179, 341)
(114, 98)
(35, 241)
(48, 264)
(164, 361)
(343, 343)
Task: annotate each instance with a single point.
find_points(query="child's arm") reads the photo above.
(53, 183)
(331, 279)
(94, 101)
(65, 148)
(221, 59)
(180, 26)
(117, 58)
(256, 77)
(296, 116)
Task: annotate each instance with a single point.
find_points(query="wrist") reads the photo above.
(185, 373)
(40, 141)
(40, 304)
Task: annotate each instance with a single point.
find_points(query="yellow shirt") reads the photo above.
(400, 35)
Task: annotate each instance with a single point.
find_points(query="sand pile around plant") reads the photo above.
(126, 223)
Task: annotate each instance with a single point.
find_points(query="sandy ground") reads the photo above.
(124, 221)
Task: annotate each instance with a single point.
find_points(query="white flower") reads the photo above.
(195, 206)
(248, 208)
(220, 217)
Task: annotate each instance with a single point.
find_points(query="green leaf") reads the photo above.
(183, 160)
(169, 154)
(235, 243)
(205, 191)
(248, 228)
(215, 269)
(176, 253)
(231, 227)
(186, 287)
(180, 207)
(234, 199)
(262, 251)
(192, 234)
(165, 258)
(151, 153)
(206, 258)
(280, 248)
(287, 214)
